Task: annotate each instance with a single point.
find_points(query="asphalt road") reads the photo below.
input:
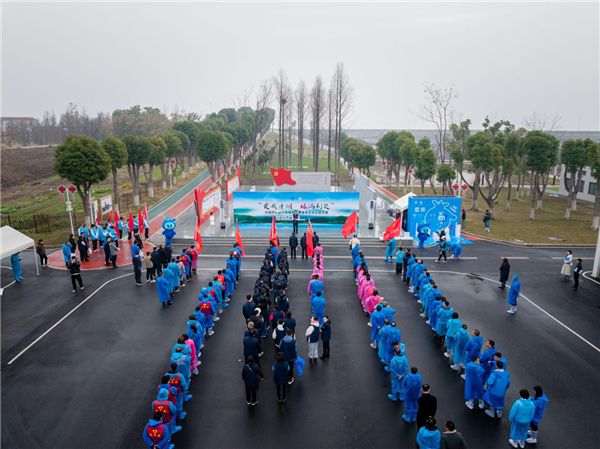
(90, 381)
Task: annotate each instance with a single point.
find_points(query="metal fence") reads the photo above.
(41, 223)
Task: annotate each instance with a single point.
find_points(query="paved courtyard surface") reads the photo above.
(97, 356)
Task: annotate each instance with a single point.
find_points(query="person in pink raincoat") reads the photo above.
(318, 273)
(368, 282)
(372, 302)
(367, 293)
(194, 253)
(193, 353)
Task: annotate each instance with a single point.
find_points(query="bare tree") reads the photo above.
(283, 94)
(438, 111)
(542, 122)
(263, 98)
(343, 103)
(330, 121)
(318, 108)
(301, 100)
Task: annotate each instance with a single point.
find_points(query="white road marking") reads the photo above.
(533, 304)
(65, 317)
(589, 278)
(582, 258)
(514, 258)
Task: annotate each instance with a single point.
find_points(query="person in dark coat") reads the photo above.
(293, 245)
(280, 376)
(290, 323)
(576, 273)
(315, 240)
(155, 256)
(162, 256)
(72, 243)
(303, 246)
(326, 336)
(504, 272)
(82, 246)
(252, 375)
(289, 348)
(75, 270)
(427, 405)
(252, 346)
(168, 252)
(248, 307)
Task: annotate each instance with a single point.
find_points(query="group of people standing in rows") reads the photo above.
(273, 279)
(173, 390)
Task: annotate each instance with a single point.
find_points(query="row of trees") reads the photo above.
(325, 111)
(501, 155)
(217, 140)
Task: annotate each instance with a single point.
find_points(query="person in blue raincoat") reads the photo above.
(233, 263)
(229, 280)
(398, 369)
(196, 332)
(540, 400)
(175, 282)
(513, 294)
(474, 345)
(429, 437)
(15, 264)
(171, 278)
(393, 335)
(474, 383)
(411, 384)
(521, 414)
(163, 287)
(434, 306)
(183, 362)
(443, 316)
(383, 340)
(498, 383)
(219, 291)
(459, 352)
(168, 409)
(390, 250)
(454, 324)
(66, 250)
(208, 309)
(455, 249)
(157, 434)
(318, 304)
(487, 357)
(377, 319)
(177, 380)
(399, 261)
(315, 286)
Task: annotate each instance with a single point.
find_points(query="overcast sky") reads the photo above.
(507, 60)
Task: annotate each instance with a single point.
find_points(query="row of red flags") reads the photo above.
(114, 217)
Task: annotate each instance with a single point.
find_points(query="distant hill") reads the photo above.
(371, 136)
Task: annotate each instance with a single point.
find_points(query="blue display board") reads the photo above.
(432, 214)
(326, 210)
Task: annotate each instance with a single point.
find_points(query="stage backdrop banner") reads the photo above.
(210, 201)
(436, 213)
(325, 209)
(306, 182)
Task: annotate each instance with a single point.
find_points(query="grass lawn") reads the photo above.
(263, 176)
(515, 224)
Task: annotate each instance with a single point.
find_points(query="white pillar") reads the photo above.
(596, 269)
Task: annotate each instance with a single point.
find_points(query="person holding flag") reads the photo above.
(389, 236)
(145, 222)
(118, 224)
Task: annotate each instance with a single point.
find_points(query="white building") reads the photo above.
(587, 189)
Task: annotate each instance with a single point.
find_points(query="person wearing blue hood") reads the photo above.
(454, 324)
(455, 249)
(540, 400)
(390, 250)
(393, 335)
(183, 362)
(498, 383)
(167, 408)
(66, 250)
(398, 368)
(487, 357)
(157, 434)
(474, 345)
(399, 261)
(219, 291)
(513, 294)
(15, 264)
(163, 287)
(175, 282)
(429, 437)
(474, 383)
(318, 304)
(383, 340)
(521, 414)
(177, 380)
(171, 278)
(459, 352)
(208, 309)
(444, 314)
(412, 386)
(377, 321)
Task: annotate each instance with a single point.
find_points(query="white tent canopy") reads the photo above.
(13, 242)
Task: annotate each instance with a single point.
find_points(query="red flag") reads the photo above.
(309, 240)
(393, 230)
(130, 221)
(116, 217)
(350, 225)
(198, 237)
(282, 176)
(145, 212)
(273, 235)
(238, 239)
(97, 217)
(140, 220)
(237, 173)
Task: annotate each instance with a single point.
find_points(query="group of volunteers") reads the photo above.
(173, 390)
(260, 318)
(486, 376)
